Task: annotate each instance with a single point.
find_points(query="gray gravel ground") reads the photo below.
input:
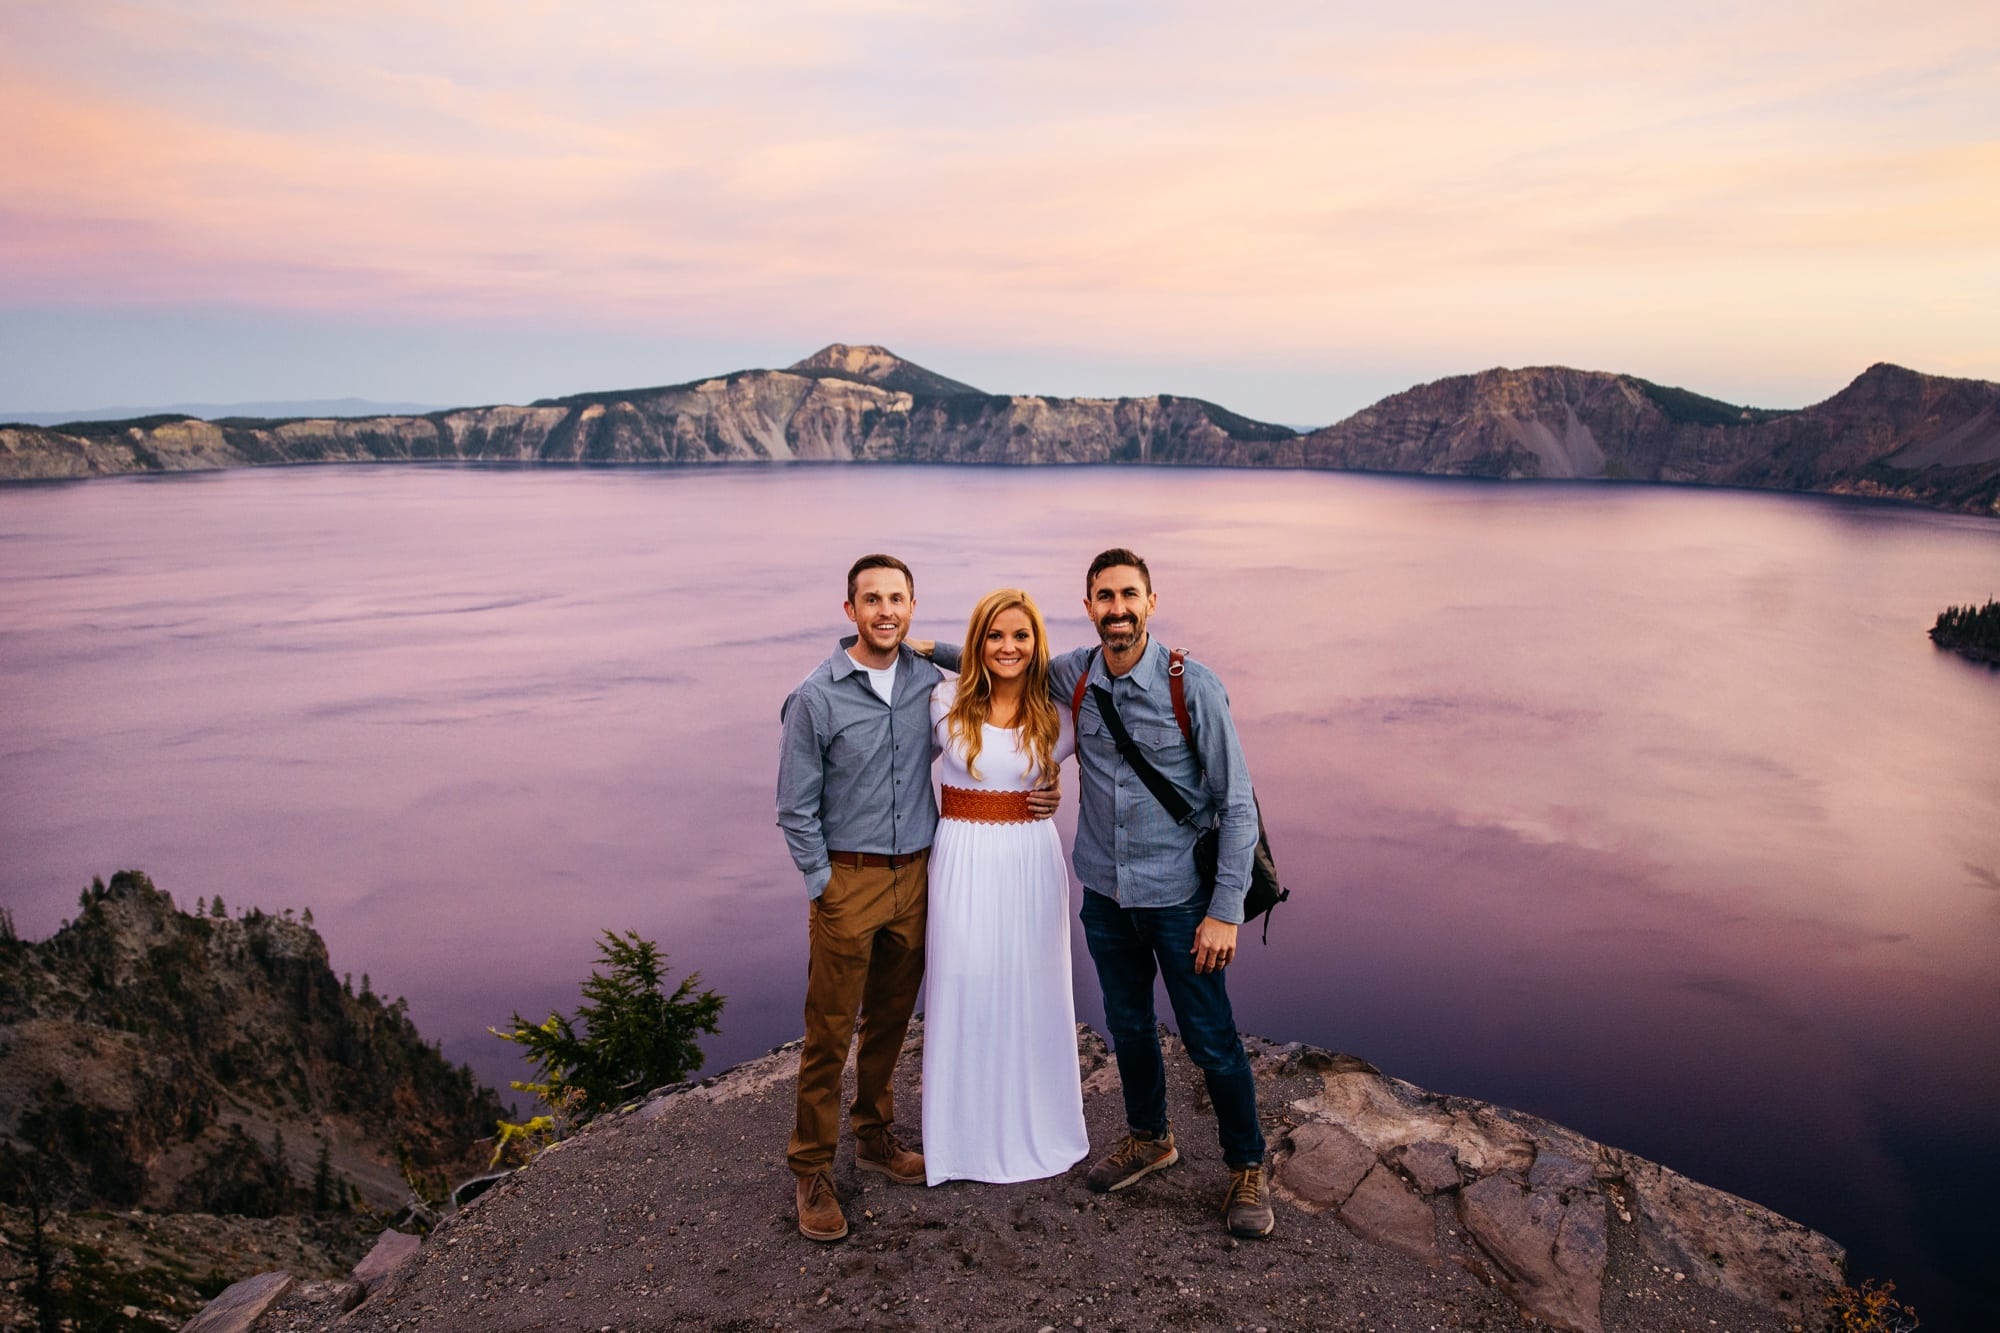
(678, 1214)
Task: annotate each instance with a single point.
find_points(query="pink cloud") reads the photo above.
(1284, 183)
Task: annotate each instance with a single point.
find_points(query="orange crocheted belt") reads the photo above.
(985, 807)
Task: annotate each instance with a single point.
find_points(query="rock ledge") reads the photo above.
(1399, 1209)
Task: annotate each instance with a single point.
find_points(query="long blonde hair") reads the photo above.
(1038, 721)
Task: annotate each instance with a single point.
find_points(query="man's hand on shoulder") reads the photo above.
(921, 647)
(1214, 945)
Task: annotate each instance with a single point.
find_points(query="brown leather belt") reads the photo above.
(875, 860)
(986, 807)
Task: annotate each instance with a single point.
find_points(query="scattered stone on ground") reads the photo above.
(1399, 1211)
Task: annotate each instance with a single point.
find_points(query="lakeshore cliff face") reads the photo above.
(1892, 432)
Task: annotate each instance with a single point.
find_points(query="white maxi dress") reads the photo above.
(1002, 1099)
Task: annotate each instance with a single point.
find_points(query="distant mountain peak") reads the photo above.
(870, 364)
(867, 361)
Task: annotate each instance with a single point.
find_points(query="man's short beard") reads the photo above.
(1105, 631)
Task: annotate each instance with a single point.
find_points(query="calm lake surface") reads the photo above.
(1648, 810)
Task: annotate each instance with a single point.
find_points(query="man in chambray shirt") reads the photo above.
(1144, 909)
(855, 803)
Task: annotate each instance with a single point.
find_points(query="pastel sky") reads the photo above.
(1292, 209)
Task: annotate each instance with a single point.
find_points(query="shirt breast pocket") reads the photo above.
(1156, 740)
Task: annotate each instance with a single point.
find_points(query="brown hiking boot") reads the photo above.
(1132, 1159)
(1247, 1210)
(879, 1152)
(820, 1217)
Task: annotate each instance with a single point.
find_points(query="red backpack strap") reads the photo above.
(1176, 686)
(1076, 699)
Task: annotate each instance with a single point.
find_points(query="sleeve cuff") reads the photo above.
(1227, 906)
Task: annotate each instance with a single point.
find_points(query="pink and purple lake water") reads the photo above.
(1652, 811)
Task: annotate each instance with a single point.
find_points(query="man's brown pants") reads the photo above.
(867, 955)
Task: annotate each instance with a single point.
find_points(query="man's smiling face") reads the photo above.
(881, 609)
(1118, 604)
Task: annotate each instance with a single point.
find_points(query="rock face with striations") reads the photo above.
(841, 404)
(1540, 1204)
(1893, 432)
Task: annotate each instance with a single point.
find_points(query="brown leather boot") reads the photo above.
(820, 1217)
(879, 1152)
(1246, 1211)
(1132, 1160)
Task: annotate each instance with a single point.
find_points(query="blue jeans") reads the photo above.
(1132, 944)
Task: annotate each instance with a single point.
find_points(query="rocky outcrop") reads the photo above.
(1397, 1209)
(240, 1307)
(161, 1059)
(1893, 432)
(1537, 1203)
(169, 1065)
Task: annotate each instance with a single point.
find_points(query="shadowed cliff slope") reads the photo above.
(165, 1077)
(1893, 432)
(151, 1056)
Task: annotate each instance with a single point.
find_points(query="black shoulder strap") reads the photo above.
(1156, 782)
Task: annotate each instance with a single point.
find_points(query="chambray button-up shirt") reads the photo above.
(854, 773)
(1128, 847)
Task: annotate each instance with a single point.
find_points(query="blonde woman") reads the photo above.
(1001, 1098)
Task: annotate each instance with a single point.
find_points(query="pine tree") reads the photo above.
(38, 1198)
(634, 1036)
(325, 1189)
(1971, 631)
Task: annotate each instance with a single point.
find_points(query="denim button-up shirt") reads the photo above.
(854, 774)
(1128, 847)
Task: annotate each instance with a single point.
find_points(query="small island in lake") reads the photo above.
(1970, 631)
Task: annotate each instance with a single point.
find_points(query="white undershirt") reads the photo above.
(883, 680)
